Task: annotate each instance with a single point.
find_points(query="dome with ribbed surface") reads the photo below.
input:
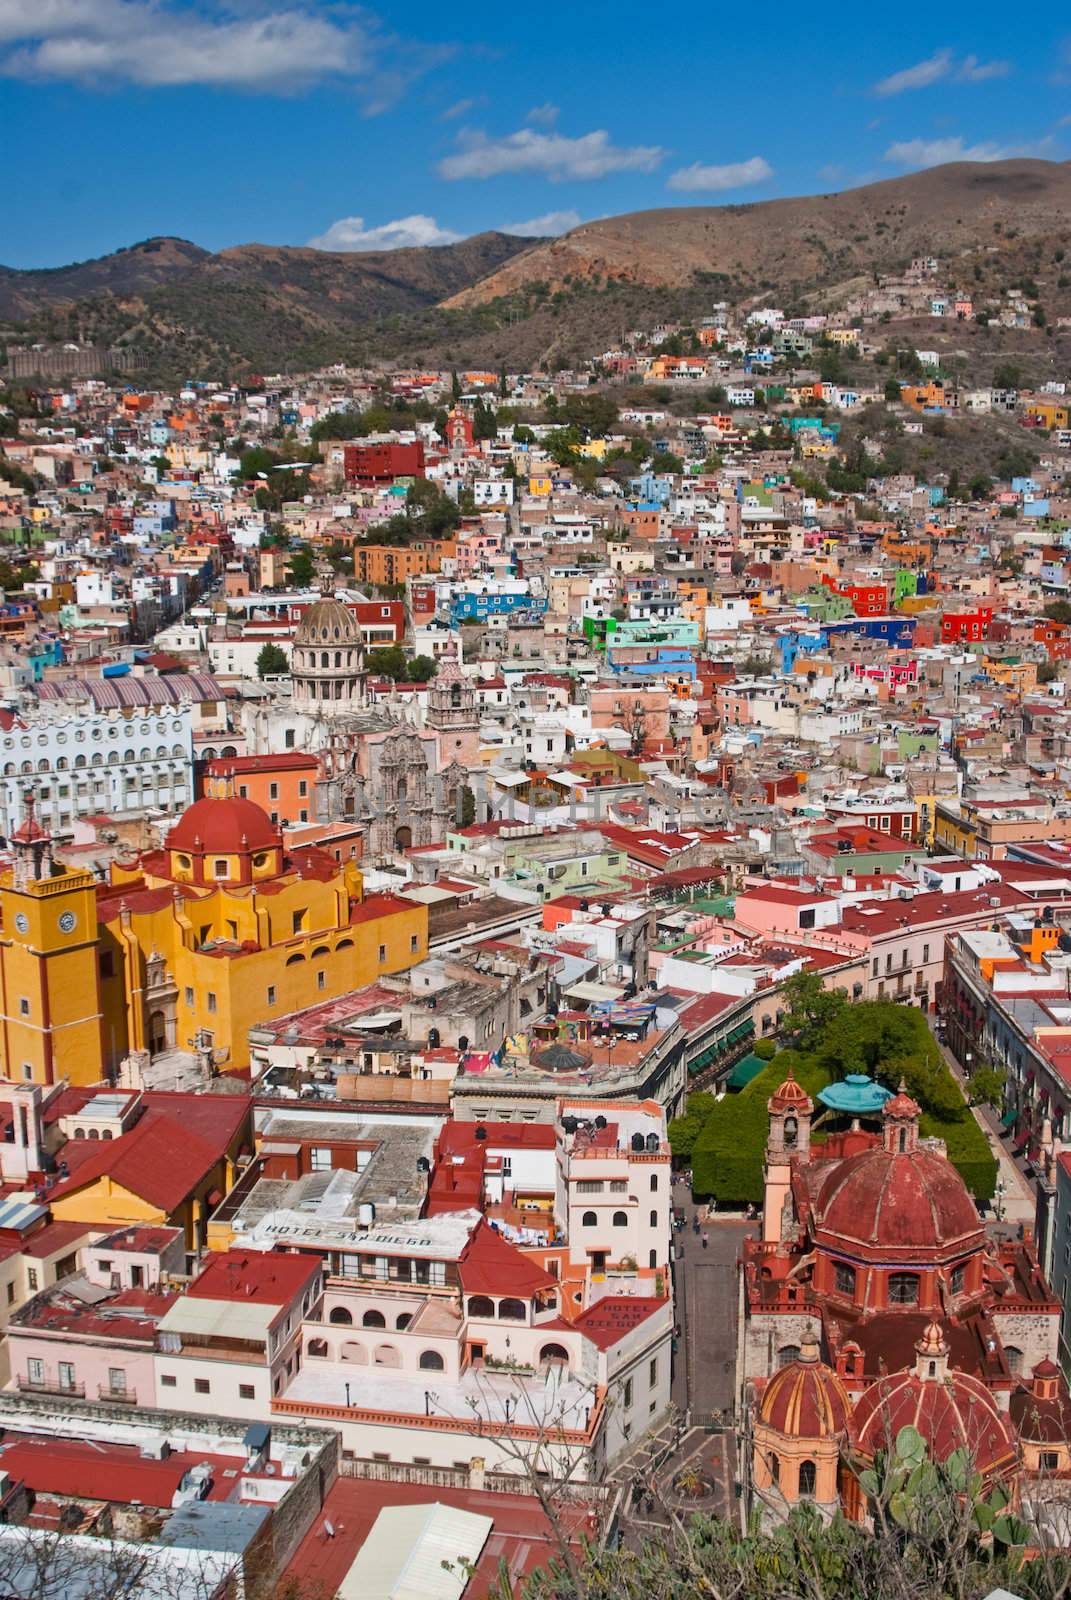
(912, 1200)
(228, 826)
(952, 1411)
(329, 622)
(806, 1400)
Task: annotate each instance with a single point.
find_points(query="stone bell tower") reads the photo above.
(791, 1109)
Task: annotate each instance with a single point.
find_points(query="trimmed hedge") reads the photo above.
(727, 1157)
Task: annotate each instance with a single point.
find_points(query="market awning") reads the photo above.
(745, 1070)
(1009, 1118)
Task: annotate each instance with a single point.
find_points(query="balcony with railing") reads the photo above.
(121, 1397)
(28, 1385)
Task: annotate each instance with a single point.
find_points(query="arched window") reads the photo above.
(512, 1310)
(481, 1306)
(589, 1219)
(808, 1477)
(787, 1354)
(903, 1289)
(845, 1278)
(352, 1351)
(620, 1219)
(373, 1319)
(340, 1314)
(316, 1347)
(403, 1321)
(553, 1353)
(791, 1131)
(386, 1355)
(431, 1361)
(1014, 1358)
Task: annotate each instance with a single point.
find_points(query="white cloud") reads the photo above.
(546, 114)
(350, 233)
(935, 152)
(920, 76)
(551, 223)
(698, 179)
(941, 65)
(458, 109)
(971, 70)
(159, 45)
(552, 155)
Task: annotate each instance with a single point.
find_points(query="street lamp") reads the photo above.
(347, 1388)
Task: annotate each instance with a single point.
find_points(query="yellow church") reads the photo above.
(186, 948)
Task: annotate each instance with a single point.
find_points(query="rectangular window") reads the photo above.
(31, 1279)
(589, 1186)
(273, 791)
(24, 1006)
(320, 1159)
(271, 994)
(201, 1386)
(189, 996)
(35, 1370)
(925, 954)
(117, 1380)
(618, 1185)
(382, 954)
(65, 1370)
(414, 944)
(302, 788)
(321, 980)
(652, 1371)
(288, 741)
(211, 1001)
(246, 1391)
(221, 868)
(628, 1393)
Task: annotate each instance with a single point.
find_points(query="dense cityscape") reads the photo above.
(535, 935)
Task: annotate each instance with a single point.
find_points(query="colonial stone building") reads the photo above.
(400, 775)
(876, 1299)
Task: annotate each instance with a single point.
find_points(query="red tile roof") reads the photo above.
(490, 1265)
(610, 1319)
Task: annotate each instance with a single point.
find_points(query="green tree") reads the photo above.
(337, 425)
(809, 1007)
(1058, 610)
(1006, 375)
(302, 569)
(986, 1087)
(484, 422)
(467, 806)
(422, 669)
(892, 389)
(685, 1130)
(664, 462)
(272, 662)
(388, 661)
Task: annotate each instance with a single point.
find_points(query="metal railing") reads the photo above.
(76, 1391)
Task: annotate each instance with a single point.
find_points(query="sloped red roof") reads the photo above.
(491, 1265)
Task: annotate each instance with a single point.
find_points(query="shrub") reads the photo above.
(727, 1156)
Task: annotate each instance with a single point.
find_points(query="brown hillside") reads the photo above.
(810, 240)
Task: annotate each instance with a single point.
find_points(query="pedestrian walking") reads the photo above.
(706, 1238)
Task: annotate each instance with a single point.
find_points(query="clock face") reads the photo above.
(22, 922)
(67, 922)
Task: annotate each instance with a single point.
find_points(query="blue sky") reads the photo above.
(288, 121)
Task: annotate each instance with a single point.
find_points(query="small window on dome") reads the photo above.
(787, 1354)
(959, 1275)
(845, 1278)
(260, 860)
(184, 862)
(221, 868)
(903, 1289)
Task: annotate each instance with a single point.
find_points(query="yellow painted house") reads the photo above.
(224, 928)
(149, 1158)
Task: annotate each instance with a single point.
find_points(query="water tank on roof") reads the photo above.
(366, 1214)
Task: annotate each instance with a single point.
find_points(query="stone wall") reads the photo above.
(766, 1333)
(1035, 1333)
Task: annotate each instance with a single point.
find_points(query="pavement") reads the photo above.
(700, 1432)
(1019, 1200)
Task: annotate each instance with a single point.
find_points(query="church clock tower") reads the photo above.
(50, 1013)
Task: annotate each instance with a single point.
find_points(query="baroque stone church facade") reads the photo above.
(382, 767)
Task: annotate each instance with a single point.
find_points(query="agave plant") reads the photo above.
(917, 1488)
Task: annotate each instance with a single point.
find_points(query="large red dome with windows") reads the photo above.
(914, 1200)
(229, 826)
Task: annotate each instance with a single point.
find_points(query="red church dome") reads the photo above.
(952, 1411)
(806, 1399)
(229, 826)
(906, 1200)
(791, 1095)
